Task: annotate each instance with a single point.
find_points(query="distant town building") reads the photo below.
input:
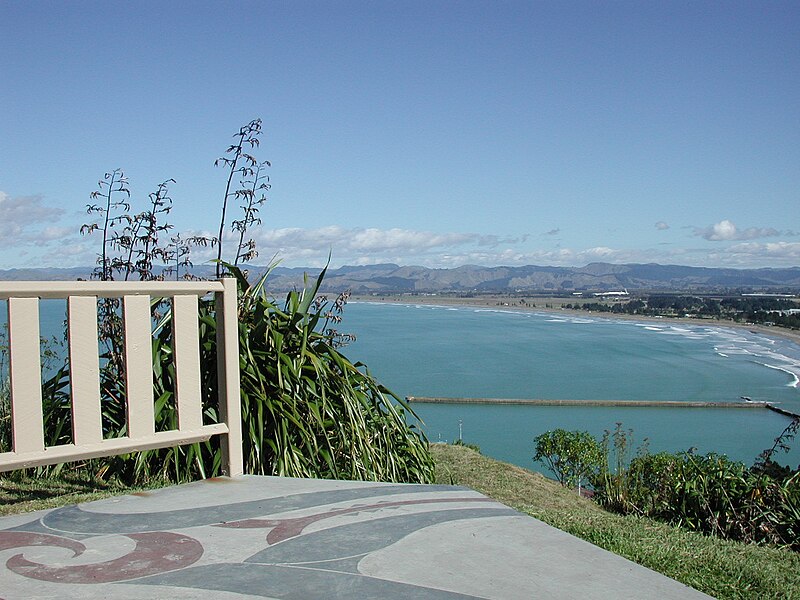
(607, 294)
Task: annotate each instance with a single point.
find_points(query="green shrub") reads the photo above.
(707, 493)
(572, 456)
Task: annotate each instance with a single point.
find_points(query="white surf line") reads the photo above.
(794, 375)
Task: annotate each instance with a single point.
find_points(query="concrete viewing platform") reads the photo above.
(303, 539)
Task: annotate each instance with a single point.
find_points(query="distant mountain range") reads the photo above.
(391, 278)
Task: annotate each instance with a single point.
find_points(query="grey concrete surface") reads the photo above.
(293, 539)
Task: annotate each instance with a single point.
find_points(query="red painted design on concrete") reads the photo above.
(285, 529)
(156, 552)
(21, 539)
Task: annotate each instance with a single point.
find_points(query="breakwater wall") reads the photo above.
(782, 411)
(634, 403)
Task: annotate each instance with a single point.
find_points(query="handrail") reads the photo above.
(27, 425)
(105, 289)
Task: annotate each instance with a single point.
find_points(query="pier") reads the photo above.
(782, 411)
(629, 403)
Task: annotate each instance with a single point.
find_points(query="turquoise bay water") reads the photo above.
(469, 352)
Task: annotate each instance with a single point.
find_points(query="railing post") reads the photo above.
(84, 370)
(138, 366)
(25, 375)
(186, 350)
(228, 377)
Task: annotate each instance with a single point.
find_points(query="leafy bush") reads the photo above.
(715, 495)
(708, 493)
(572, 456)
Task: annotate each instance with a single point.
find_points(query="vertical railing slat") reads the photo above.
(228, 377)
(84, 370)
(139, 366)
(186, 350)
(25, 375)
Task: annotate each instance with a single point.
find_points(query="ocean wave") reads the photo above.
(778, 356)
(498, 311)
(793, 371)
(729, 337)
(733, 350)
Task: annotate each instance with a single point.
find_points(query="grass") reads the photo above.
(20, 493)
(720, 568)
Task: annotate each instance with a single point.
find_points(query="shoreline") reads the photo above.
(499, 302)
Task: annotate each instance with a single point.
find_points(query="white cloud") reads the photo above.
(29, 237)
(21, 218)
(726, 230)
(71, 253)
(365, 241)
(54, 233)
(600, 252)
(33, 236)
(777, 253)
(392, 239)
(310, 247)
(662, 226)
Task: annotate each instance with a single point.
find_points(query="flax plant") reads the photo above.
(238, 162)
(307, 411)
(141, 237)
(112, 209)
(310, 412)
(253, 194)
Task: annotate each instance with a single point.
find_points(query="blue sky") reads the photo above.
(429, 133)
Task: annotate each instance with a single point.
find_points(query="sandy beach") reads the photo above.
(556, 305)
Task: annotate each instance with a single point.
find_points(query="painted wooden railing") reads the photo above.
(28, 447)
